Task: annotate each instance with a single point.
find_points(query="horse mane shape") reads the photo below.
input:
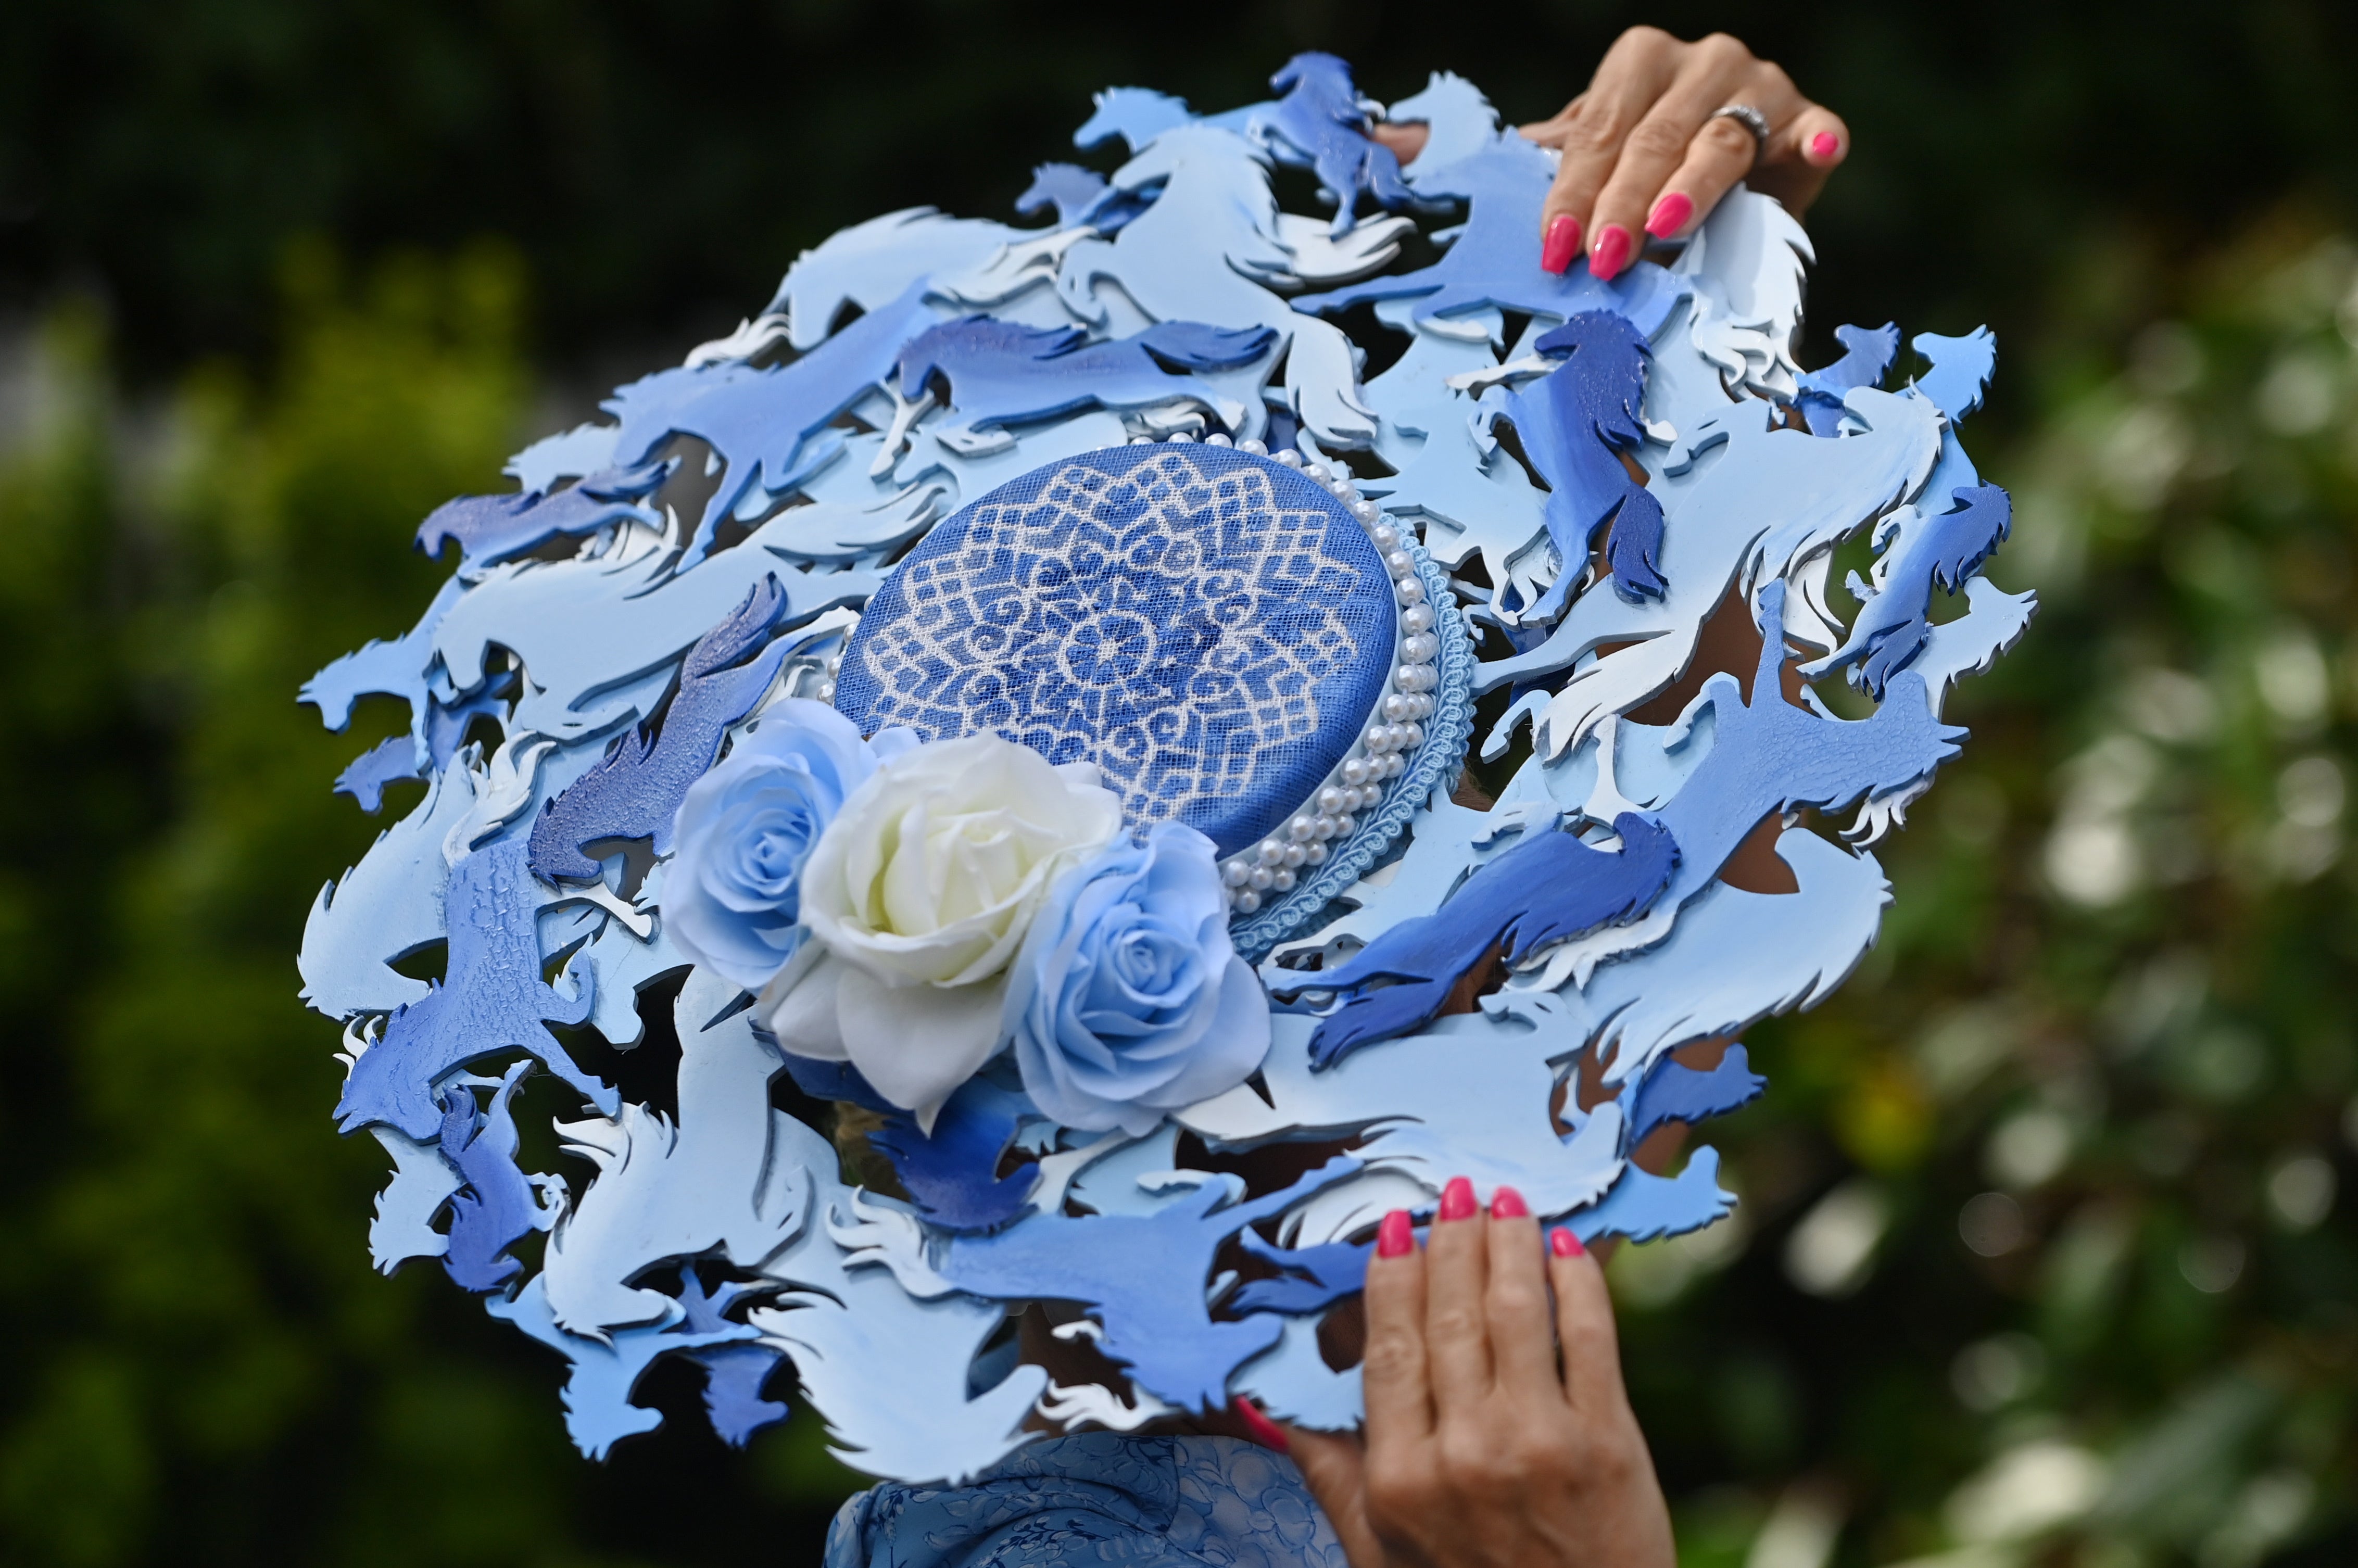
(633, 791)
(1001, 371)
(1458, 122)
(1323, 122)
(1066, 189)
(1576, 422)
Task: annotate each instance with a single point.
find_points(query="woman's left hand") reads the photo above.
(1480, 1452)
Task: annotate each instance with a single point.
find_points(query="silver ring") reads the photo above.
(1751, 119)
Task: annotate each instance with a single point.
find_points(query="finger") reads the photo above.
(1720, 155)
(1640, 64)
(1720, 71)
(1799, 157)
(1406, 139)
(1456, 1311)
(1584, 1325)
(1523, 1339)
(1392, 1374)
(1333, 1466)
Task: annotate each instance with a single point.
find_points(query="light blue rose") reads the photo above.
(1127, 999)
(732, 896)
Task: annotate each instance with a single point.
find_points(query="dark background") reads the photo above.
(281, 276)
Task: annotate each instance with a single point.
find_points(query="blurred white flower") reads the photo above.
(2292, 678)
(2025, 1492)
(2301, 1190)
(1832, 1251)
(2297, 397)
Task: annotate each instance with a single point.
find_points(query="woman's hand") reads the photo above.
(1480, 1453)
(1646, 152)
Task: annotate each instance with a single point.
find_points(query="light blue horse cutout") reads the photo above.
(1591, 471)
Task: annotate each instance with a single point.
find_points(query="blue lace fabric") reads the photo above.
(1165, 1502)
(1210, 627)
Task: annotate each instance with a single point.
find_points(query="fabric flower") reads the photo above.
(1127, 999)
(732, 896)
(920, 895)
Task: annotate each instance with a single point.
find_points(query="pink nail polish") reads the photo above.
(1562, 245)
(1611, 254)
(1822, 147)
(1396, 1237)
(1265, 1432)
(1507, 1204)
(1458, 1199)
(1670, 214)
(1564, 1244)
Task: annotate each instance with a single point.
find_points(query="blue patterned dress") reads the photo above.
(1164, 1502)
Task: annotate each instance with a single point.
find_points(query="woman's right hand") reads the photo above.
(1479, 1451)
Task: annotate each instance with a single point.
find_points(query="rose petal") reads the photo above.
(918, 1043)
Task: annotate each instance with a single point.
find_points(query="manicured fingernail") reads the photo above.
(1611, 253)
(1265, 1432)
(1564, 1244)
(1458, 1199)
(1507, 1204)
(1824, 147)
(1670, 215)
(1563, 243)
(1396, 1237)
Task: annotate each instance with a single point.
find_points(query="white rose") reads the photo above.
(919, 893)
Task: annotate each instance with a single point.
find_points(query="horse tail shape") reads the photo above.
(1191, 345)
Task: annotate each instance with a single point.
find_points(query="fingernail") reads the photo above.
(1507, 1204)
(1612, 251)
(1265, 1432)
(1396, 1237)
(1823, 145)
(1563, 243)
(1670, 215)
(1564, 1244)
(1458, 1199)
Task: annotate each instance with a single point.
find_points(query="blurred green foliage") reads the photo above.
(2042, 1257)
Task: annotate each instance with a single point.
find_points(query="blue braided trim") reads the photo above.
(1436, 766)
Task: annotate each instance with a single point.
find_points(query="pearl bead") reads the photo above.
(1180, 435)
(1259, 878)
(1343, 826)
(1396, 707)
(1298, 829)
(1269, 851)
(1410, 590)
(1290, 458)
(1318, 471)
(1379, 737)
(1353, 772)
(1395, 765)
(834, 663)
(1400, 563)
(1316, 854)
(1283, 882)
(1257, 448)
(1295, 853)
(1417, 618)
(1367, 512)
(1234, 873)
(1247, 902)
(826, 692)
(1218, 439)
(1414, 737)
(1385, 536)
(1330, 800)
(1141, 440)
(1419, 648)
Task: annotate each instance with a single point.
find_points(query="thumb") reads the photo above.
(1333, 1466)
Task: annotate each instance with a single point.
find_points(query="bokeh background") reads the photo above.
(2043, 1259)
